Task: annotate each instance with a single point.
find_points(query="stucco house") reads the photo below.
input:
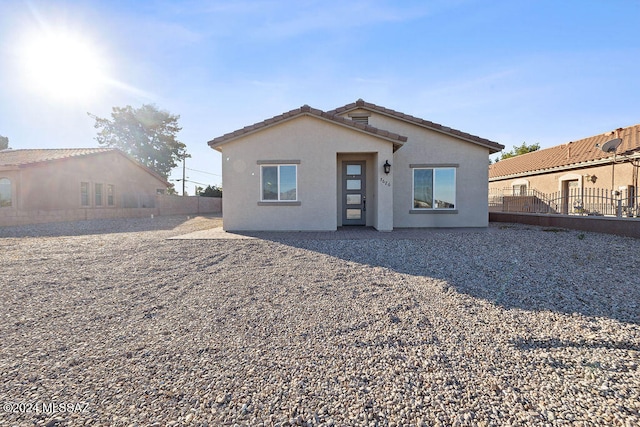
(360, 164)
(43, 185)
(591, 175)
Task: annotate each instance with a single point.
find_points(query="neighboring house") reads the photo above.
(43, 185)
(360, 164)
(574, 173)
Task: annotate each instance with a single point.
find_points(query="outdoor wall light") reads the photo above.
(387, 167)
(591, 178)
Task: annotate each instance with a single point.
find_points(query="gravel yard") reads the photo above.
(109, 323)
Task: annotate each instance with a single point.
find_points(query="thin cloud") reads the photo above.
(320, 16)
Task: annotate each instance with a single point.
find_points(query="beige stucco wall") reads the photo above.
(317, 145)
(434, 148)
(552, 182)
(55, 185)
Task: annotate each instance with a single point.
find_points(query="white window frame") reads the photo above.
(277, 166)
(434, 168)
(110, 198)
(6, 181)
(99, 202)
(87, 185)
(517, 187)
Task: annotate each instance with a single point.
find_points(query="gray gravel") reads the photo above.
(514, 325)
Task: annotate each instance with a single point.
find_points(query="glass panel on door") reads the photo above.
(354, 169)
(354, 199)
(354, 184)
(354, 213)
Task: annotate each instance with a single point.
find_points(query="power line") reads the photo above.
(208, 173)
(188, 180)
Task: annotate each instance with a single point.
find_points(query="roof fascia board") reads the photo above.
(492, 150)
(43, 163)
(599, 162)
(217, 145)
(396, 143)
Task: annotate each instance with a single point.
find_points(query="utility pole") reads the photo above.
(184, 169)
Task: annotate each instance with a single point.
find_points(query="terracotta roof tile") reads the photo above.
(493, 146)
(397, 140)
(567, 155)
(21, 157)
(24, 157)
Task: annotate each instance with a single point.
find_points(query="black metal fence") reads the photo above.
(623, 202)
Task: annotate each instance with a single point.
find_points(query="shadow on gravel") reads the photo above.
(551, 343)
(97, 226)
(514, 267)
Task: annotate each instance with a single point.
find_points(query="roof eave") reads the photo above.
(397, 142)
(493, 146)
(590, 163)
(42, 163)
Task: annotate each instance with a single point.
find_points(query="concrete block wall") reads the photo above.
(629, 227)
(165, 205)
(175, 205)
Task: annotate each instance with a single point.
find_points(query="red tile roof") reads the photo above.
(397, 140)
(569, 155)
(494, 147)
(28, 156)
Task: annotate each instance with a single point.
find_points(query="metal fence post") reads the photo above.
(619, 212)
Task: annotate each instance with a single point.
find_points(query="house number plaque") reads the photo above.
(385, 182)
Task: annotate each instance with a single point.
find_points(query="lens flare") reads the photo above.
(64, 66)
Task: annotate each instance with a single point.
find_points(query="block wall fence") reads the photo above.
(165, 205)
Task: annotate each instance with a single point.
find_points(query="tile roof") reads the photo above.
(22, 157)
(569, 155)
(397, 140)
(493, 146)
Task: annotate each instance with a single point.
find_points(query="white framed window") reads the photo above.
(519, 187)
(5, 193)
(98, 194)
(279, 183)
(84, 194)
(434, 188)
(110, 200)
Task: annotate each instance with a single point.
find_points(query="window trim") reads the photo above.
(264, 202)
(520, 183)
(97, 193)
(87, 185)
(10, 185)
(434, 167)
(111, 198)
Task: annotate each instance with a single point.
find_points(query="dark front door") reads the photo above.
(354, 201)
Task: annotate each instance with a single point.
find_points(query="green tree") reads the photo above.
(519, 150)
(4, 142)
(147, 134)
(211, 191)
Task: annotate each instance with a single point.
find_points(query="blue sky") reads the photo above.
(513, 71)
